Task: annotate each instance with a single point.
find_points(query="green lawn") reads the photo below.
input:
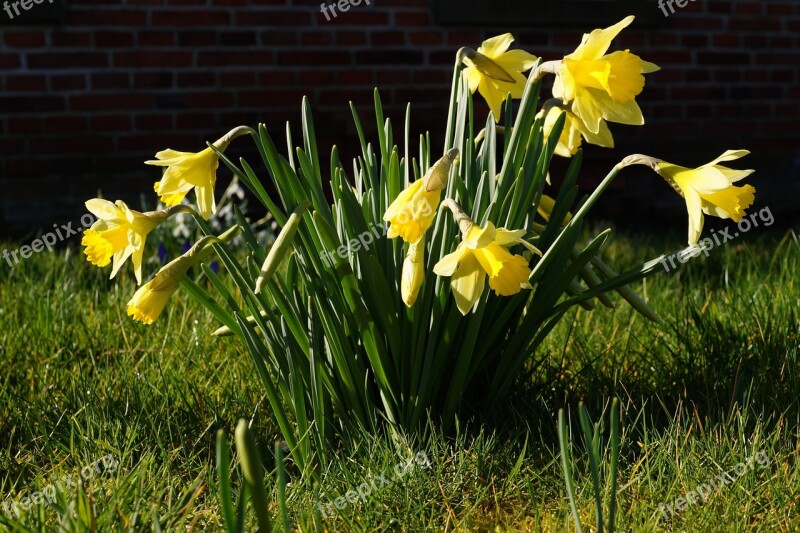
(715, 386)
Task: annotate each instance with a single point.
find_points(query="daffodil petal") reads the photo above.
(516, 61)
(103, 209)
(595, 44)
(729, 155)
(448, 264)
(694, 207)
(495, 46)
(467, 283)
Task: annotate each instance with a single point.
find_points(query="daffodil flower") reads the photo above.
(495, 71)
(413, 211)
(709, 189)
(484, 252)
(150, 300)
(602, 86)
(413, 272)
(119, 233)
(574, 131)
(189, 170)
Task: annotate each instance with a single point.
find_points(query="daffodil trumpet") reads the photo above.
(483, 252)
(118, 234)
(187, 170)
(599, 86)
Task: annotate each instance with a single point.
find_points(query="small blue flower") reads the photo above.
(162, 253)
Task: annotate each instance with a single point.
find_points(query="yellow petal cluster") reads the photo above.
(413, 211)
(495, 71)
(118, 234)
(484, 252)
(574, 132)
(709, 189)
(601, 86)
(187, 171)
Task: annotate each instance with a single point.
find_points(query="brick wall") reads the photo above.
(84, 103)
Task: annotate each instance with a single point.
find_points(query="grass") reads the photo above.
(712, 388)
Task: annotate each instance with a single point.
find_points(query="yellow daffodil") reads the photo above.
(709, 189)
(574, 129)
(602, 86)
(483, 252)
(150, 300)
(412, 212)
(413, 272)
(119, 233)
(495, 71)
(189, 170)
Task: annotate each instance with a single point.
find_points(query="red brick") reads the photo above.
(111, 123)
(71, 39)
(26, 83)
(24, 39)
(425, 38)
(28, 104)
(100, 17)
(24, 126)
(237, 79)
(153, 59)
(91, 102)
(248, 57)
(196, 79)
(209, 99)
(64, 124)
(192, 18)
(267, 98)
(156, 38)
(306, 57)
(390, 38)
(299, 18)
(68, 82)
(412, 19)
(154, 80)
(110, 80)
(155, 122)
(63, 60)
(114, 39)
(9, 60)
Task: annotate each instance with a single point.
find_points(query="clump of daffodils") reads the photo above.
(414, 278)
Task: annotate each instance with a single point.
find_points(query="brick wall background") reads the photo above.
(84, 103)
